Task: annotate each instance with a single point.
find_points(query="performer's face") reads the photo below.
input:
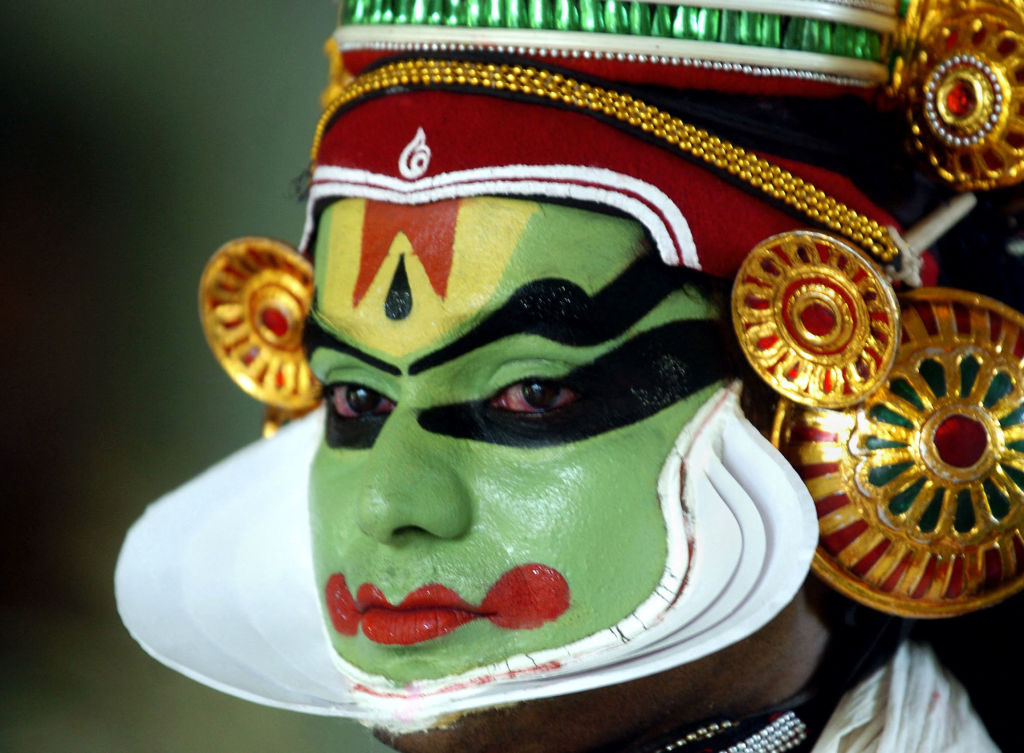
(504, 381)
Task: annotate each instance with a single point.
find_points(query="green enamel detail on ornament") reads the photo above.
(876, 443)
(627, 18)
(882, 475)
(963, 520)
(887, 415)
(968, 373)
(999, 388)
(902, 388)
(1017, 446)
(935, 375)
(902, 501)
(1014, 418)
(1016, 475)
(930, 519)
(998, 503)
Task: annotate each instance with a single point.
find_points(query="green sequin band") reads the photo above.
(628, 18)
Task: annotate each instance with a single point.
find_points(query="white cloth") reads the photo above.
(911, 705)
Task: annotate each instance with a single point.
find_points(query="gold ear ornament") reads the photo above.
(254, 296)
(962, 81)
(815, 318)
(920, 489)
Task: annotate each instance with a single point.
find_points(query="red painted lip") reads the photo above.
(523, 598)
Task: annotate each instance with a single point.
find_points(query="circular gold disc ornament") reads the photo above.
(964, 93)
(815, 318)
(253, 299)
(920, 490)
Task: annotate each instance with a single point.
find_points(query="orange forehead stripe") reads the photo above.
(430, 230)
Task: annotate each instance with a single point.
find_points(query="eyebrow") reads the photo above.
(315, 336)
(561, 311)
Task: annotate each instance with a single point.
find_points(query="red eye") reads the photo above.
(354, 400)
(533, 396)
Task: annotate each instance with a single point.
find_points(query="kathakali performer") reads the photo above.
(611, 322)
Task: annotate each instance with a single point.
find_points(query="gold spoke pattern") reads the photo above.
(815, 318)
(253, 299)
(920, 489)
(964, 89)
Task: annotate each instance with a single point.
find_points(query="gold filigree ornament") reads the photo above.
(920, 490)
(964, 88)
(253, 299)
(815, 318)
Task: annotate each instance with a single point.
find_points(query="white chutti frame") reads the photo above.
(216, 580)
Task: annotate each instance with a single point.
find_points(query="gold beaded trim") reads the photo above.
(703, 733)
(772, 180)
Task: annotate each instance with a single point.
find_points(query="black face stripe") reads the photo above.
(315, 336)
(561, 311)
(650, 372)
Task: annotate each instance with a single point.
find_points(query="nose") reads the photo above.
(413, 485)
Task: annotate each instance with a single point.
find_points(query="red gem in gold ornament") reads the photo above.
(254, 297)
(960, 99)
(919, 490)
(960, 441)
(815, 318)
(962, 85)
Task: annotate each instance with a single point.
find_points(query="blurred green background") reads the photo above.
(135, 138)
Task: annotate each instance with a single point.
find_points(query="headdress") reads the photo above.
(903, 411)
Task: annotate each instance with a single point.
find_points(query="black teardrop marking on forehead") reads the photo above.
(398, 304)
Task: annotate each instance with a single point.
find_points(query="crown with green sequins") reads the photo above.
(843, 40)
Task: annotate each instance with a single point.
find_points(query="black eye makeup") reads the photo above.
(355, 416)
(641, 377)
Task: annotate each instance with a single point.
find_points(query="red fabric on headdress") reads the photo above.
(479, 135)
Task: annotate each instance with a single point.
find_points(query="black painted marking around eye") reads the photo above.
(561, 311)
(641, 377)
(398, 304)
(358, 433)
(315, 336)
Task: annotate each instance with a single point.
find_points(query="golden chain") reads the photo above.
(770, 179)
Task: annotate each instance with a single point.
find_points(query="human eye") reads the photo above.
(358, 401)
(533, 396)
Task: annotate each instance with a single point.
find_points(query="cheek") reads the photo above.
(588, 509)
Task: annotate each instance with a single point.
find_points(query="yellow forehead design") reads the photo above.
(487, 231)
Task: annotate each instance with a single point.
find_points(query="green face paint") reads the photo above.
(505, 380)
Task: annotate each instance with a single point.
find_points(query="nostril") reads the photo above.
(408, 531)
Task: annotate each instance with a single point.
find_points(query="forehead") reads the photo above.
(401, 278)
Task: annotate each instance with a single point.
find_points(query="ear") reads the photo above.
(254, 297)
